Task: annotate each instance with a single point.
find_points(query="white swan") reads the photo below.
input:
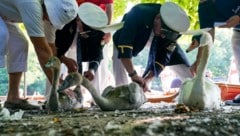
(126, 97)
(200, 92)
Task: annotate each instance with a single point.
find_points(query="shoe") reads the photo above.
(234, 102)
(23, 104)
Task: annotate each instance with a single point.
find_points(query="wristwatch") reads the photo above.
(133, 73)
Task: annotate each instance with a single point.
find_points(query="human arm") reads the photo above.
(109, 12)
(63, 41)
(60, 53)
(90, 73)
(43, 52)
(70, 63)
(232, 22)
(127, 63)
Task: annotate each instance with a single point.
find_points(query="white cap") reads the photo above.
(61, 12)
(110, 28)
(174, 17)
(92, 15)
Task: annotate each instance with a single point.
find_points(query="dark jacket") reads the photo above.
(132, 38)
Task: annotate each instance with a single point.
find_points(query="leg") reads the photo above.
(4, 37)
(119, 71)
(236, 48)
(179, 63)
(13, 90)
(181, 70)
(103, 76)
(17, 53)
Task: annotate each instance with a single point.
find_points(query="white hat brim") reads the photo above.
(92, 15)
(110, 28)
(195, 32)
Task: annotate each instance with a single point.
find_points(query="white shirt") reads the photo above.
(28, 12)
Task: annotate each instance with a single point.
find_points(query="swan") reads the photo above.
(200, 92)
(57, 101)
(126, 97)
(52, 102)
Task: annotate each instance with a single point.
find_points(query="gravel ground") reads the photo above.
(150, 120)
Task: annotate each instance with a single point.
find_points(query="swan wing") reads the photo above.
(107, 90)
(185, 91)
(213, 92)
(136, 95)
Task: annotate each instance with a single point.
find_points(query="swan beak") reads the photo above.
(63, 86)
(195, 44)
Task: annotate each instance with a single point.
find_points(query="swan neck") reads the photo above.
(100, 101)
(55, 82)
(203, 62)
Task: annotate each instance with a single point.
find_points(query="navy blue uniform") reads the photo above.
(218, 11)
(132, 38)
(64, 37)
(88, 49)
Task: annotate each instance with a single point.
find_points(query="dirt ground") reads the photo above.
(150, 120)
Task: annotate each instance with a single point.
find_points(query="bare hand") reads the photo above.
(70, 63)
(141, 82)
(106, 38)
(231, 22)
(149, 76)
(89, 75)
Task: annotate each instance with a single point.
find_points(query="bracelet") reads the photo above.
(132, 74)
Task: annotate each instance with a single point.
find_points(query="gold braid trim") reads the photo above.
(124, 46)
(159, 64)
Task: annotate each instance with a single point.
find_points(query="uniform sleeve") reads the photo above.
(65, 37)
(127, 36)
(94, 65)
(206, 13)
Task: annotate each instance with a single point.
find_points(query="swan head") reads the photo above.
(71, 79)
(53, 62)
(200, 38)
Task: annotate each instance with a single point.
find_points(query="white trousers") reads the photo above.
(13, 47)
(103, 76)
(119, 71)
(121, 77)
(236, 48)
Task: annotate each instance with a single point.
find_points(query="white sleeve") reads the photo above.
(31, 14)
(49, 31)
